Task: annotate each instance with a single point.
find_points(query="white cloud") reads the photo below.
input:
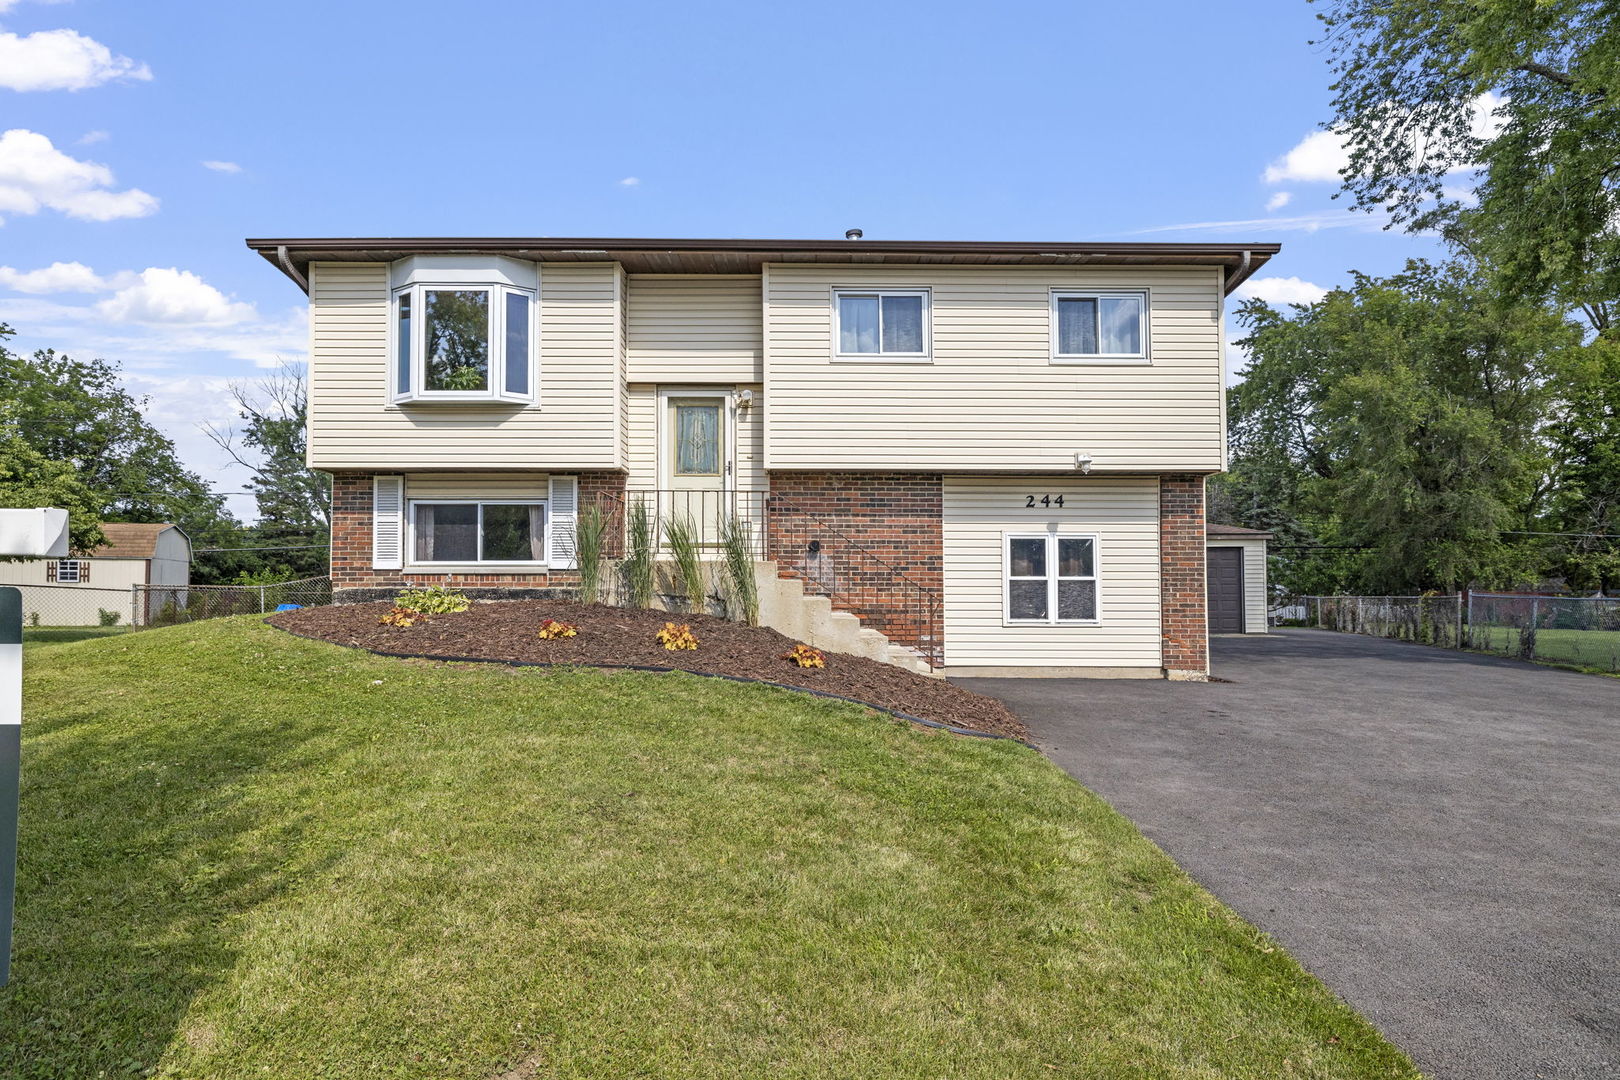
(1323, 155)
(630, 181)
(35, 175)
(91, 137)
(61, 60)
(1307, 223)
(1279, 200)
(222, 166)
(173, 296)
(62, 277)
(1282, 290)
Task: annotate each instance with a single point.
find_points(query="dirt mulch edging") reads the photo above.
(505, 631)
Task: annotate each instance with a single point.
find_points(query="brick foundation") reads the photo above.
(1181, 577)
(861, 521)
(351, 547)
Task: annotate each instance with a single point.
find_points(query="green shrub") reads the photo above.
(637, 567)
(742, 586)
(680, 536)
(590, 545)
(108, 618)
(436, 600)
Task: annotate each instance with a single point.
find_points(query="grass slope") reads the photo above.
(248, 855)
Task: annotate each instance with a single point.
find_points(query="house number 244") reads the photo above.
(1030, 501)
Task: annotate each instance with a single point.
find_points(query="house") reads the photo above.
(992, 454)
(98, 588)
(1236, 560)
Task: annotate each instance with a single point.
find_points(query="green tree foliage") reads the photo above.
(30, 479)
(1584, 438)
(1412, 76)
(1396, 423)
(293, 500)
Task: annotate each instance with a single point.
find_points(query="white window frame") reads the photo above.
(1051, 538)
(498, 360)
(78, 575)
(480, 563)
(880, 357)
(1145, 325)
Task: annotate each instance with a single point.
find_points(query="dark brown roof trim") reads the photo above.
(293, 256)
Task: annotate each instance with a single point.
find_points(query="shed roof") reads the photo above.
(1234, 532)
(292, 255)
(131, 540)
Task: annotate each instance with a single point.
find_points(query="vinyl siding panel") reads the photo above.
(695, 328)
(575, 424)
(991, 399)
(1254, 582)
(1122, 512)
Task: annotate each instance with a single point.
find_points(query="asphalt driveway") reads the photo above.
(1434, 834)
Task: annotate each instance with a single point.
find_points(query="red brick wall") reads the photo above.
(869, 525)
(1181, 575)
(351, 541)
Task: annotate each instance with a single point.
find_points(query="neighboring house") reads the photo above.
(76, 591)
(992, 452)
(1237, 579)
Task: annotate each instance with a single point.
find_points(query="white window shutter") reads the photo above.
(387, 522)
(563, 513)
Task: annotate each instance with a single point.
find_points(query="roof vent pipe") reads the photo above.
(853, 234)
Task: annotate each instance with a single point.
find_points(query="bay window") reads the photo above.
(464, 332)
(1051, 578)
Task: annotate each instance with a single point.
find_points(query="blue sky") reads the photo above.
(144, 141)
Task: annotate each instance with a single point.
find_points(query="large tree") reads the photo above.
(1400, 419)
(1526, 92)
(30, 479)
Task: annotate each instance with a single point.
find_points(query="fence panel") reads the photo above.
(1579, 630)
(165, 605)
(47, 606)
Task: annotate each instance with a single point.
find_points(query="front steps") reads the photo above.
(786, 608)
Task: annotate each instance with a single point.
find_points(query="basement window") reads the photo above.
(1050, 579)
(459, 532)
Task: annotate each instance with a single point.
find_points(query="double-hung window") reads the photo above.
(881, 324)
(465, 532)
(1099, 327)
(1051, 578)
(463, 333)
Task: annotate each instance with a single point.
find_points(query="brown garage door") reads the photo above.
(1226, 590)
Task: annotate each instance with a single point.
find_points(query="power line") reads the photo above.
(289, 547)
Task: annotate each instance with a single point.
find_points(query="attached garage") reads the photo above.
(1052, 575)
(1235, 572)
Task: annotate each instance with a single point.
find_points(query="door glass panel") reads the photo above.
(697, 439)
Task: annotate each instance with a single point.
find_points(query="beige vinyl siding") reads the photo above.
(991, 398)
(694, 328)
(1121, 512)
(476, 485)
(1254, 581)
(644, 436)
(575, 424)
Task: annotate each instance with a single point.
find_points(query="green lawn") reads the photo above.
(250, 855)
(54, 635)
(1598, 649)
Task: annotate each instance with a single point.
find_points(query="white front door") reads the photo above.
(697, 459)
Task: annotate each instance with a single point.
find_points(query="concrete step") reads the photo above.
(844, 633)
(873, 644)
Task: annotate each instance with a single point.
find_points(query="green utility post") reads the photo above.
(11, 626)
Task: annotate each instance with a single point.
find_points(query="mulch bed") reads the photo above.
(624, 637)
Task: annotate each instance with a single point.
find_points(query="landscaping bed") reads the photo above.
(508, 630)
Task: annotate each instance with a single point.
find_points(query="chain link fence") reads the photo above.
(165, 605)
(75, 606)
(1579, 630)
